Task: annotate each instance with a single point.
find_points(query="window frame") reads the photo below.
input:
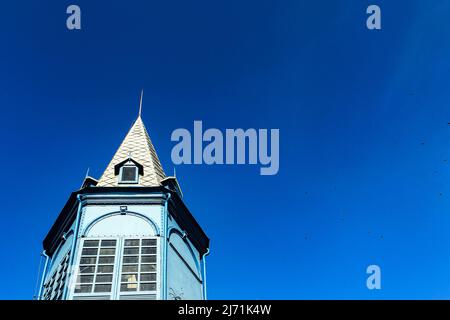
(116, 293)
(139, 272)
(128, 165)
(95, 273)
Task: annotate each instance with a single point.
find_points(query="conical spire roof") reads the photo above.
(137, 146)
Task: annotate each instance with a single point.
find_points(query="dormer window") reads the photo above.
(129, 174)
(129, 171)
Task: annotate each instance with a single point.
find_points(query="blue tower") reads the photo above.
(127, 235)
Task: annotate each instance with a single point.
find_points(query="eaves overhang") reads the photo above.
(177, 209)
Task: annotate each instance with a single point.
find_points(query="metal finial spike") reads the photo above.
(85, 177)
(140, 103)
(174, 172)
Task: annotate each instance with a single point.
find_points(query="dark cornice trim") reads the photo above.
(177, 209)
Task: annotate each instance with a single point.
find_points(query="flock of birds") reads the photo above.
(381, 237)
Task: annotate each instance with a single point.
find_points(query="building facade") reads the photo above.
(127, 235)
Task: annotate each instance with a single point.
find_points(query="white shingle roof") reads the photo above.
(139, 147)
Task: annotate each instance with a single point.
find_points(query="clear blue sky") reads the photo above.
(364, 135)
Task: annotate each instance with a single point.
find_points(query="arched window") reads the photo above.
(118, 259)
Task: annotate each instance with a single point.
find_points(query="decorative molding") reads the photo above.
(115, 213)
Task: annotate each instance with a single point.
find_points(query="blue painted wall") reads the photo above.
(103, 216)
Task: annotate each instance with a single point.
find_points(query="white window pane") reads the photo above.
(102, 288)
(131, 251)
(148, 259)
(90, 243)
(148, 277)
(85, 279)
(108, 243)
(106, 260)
(148, 242)
(130, 259)
(105, 269)
(130, 268)
(104, 278)
(132, 243)
(107, 251)
(132, 277)
(128, 287)
(89, 251)
(148, 250)
(83, 288)
(87, 269)
(129, 174)
(148, 286)
(88, 260)
(148, 267)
